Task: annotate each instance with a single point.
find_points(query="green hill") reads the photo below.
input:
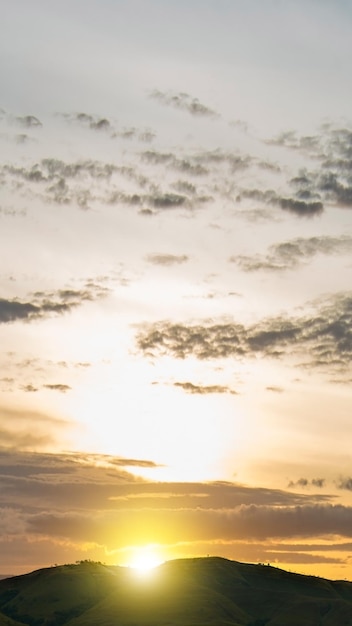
(187, 592)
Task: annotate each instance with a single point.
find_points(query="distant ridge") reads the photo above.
(185, 592)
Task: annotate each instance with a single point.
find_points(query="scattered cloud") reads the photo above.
(43, 304)
(323, 337)
(167, 259)
(183, 101)
(29, 388)
(291, 254)
(58, 387)
(203, 389)
(29, 121)
(297, 206)
(305, 482)
(345, 483)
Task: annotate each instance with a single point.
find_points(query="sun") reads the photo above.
(144, 560)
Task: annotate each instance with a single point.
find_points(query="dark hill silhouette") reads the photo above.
(185, 592)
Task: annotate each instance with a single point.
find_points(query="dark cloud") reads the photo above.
(64, 183)
(97, 123)
(58, 387)
(90, 121)
(29, 121)
(324, 337)
(167, 259)
(203, 389)
(301, 208)
(157, 201)
(305, 482)
(84, 118)
(345, 483)
(318, 482)
(11, 310)
(290, 139)
(335, 190)
(297, 206)
(168, 200)
(101, 124)
(291, 254)
(44, 304)
(246, 522)
(275, 389)
(331, 181)
(184, 102)
(185, 187)
(29, 388)
(146, 136)
(80, 498)
(147, 212)
(190, 165)
(132, 462)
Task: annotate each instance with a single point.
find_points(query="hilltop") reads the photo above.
(185, 592)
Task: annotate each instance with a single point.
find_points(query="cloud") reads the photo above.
(29, 388)
(289, 139)
(323, 337)
(345, 483)
(79, 499)
(192, 165)
(246, 522)
(28, 429)
(44, 304)
(90, 121)
(318, 482)
(184, 102)
(63, 182)
(332, 180)
(58, 387)
(101, 124)
(96, 123)
(203, 389)
(167, 259)
(132, 462)
(297, 206)
(335, 190)
(157, 201)
(291, 254)
(305, 482)
(168, 200)
(29, 121)
(300, 208)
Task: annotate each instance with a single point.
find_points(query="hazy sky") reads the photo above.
(176, 264)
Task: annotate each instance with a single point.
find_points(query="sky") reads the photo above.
(176, 263)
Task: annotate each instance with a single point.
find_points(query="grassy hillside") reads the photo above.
(187, 592)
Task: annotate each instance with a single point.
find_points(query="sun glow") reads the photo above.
(144, 560)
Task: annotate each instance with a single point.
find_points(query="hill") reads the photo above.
(186, 592)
